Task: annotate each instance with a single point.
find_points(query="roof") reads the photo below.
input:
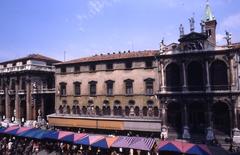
(193, 36)
(113, 56)
(32, 57)
(208, 15)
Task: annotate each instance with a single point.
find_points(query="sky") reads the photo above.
(82, 28)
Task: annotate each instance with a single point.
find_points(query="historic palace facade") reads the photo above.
(26, 87)
(184, 88)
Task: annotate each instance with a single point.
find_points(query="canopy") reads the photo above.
(35, 133)
(105, 142)
(141, 143)
(59, 135)
(73, 137)
(124, 142)
(89, 139)
(170, 146)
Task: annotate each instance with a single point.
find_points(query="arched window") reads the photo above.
(78, 110)
(68, 109)
(173, 80)
(145, 111)
(84, 110)
(74, 109)
(98, 111)
(195, 76)
(136, 111)
(127, 110)
(155, 111)
(219, 75)
(60, 109)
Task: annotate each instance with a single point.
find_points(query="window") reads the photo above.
(128, 65)
(63, 89)
(149, 64)
(63, 69)
(109, 84)
(77, 88)
(129, 86)
(149, 86)
(76, 69)
(92, 67)
(93, 88)
(109, 66)
(13, 84)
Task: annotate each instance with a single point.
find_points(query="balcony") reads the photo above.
(28, 67)
(11, 92)
(21, 92)
(44, 91)
(1, 92)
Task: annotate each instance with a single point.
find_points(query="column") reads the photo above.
(1, 109)
(17, 105)
(232, 72)
(184, 77)
(210, 134)
(207, 76)
(7, 105)
(236, 131)
(28, 99)
(34, 106)
(163, 87)
(186, 134)
(164, 128)
(42, 106)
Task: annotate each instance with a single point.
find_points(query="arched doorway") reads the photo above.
(220, 117)
(173, 80)
(174, 116)
(195, 76)
(196, 117)
(218, 75)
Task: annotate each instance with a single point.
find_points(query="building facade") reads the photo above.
(27, 88)
(186, 88)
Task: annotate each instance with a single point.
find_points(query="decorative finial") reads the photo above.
(228, 38)
(181, 30)
(203, 26)
(191, 21)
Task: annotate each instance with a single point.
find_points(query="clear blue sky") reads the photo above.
(83, 28)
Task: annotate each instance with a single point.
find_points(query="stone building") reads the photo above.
(183, 89)
(27, 85)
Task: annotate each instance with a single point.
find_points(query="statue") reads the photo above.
(203, 26)
(181, 30)
(228, 38)
(162, 45)
(192, 21)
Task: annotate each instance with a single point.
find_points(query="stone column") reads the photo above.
(210, 134)
(163, 86)
(1, 109)
(207, 76)
(184, 87)
(232, 72)
(7, 105)
(17, 105)
(28, 100)
(164, 128)
(186, 134)
(236, 131)
(42, 106)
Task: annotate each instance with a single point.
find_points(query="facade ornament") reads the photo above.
(191, 21)
(181, 30)
(203, 29)
(228, 38)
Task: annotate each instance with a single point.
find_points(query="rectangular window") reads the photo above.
(148, 64)
(92, 67)
(77, 88)
(63, 69)
(93, 89)
(109, 66)
(76, 69)
(129, 88)
(110, 88)
(128, 65)
(63, 89)
(149, 87)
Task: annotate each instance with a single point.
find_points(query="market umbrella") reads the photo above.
(105, 142)
(142, 143)
(170, 146)
(2, 129)
(89, 139)
(72, 137)
(58, 135)
(11, 130)
(123, 142)
(35, 133)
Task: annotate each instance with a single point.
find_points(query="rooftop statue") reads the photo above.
(192, 21)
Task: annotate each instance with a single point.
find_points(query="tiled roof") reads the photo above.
(113, 56)
(32, 57)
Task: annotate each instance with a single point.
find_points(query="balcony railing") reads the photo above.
(21, 92)
(27, 67)
(43, 91)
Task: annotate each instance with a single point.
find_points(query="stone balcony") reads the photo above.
(44, 91)
(2, 92)
(28, 67)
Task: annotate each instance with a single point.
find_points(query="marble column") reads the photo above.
(210, 133)
(7, 105)
(164, 128)
(236, 131)
(207, 76)
(232, 71)
(163, 86)
(17, 105)
(29, 100)
(184, 87)
(186, 134)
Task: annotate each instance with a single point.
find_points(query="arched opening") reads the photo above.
(60, 109)
(173, 80)
(195, 76)
(68, 109)
(84, 110)
(78, 110)
(174, 116)
(136, 111)
(155, 111)
(127, 110)
(74, 109)
(145, 111)
(115, 111)
(196, 117)
(98, 111)
(119, 109)
(220, 117)
(218, 75)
